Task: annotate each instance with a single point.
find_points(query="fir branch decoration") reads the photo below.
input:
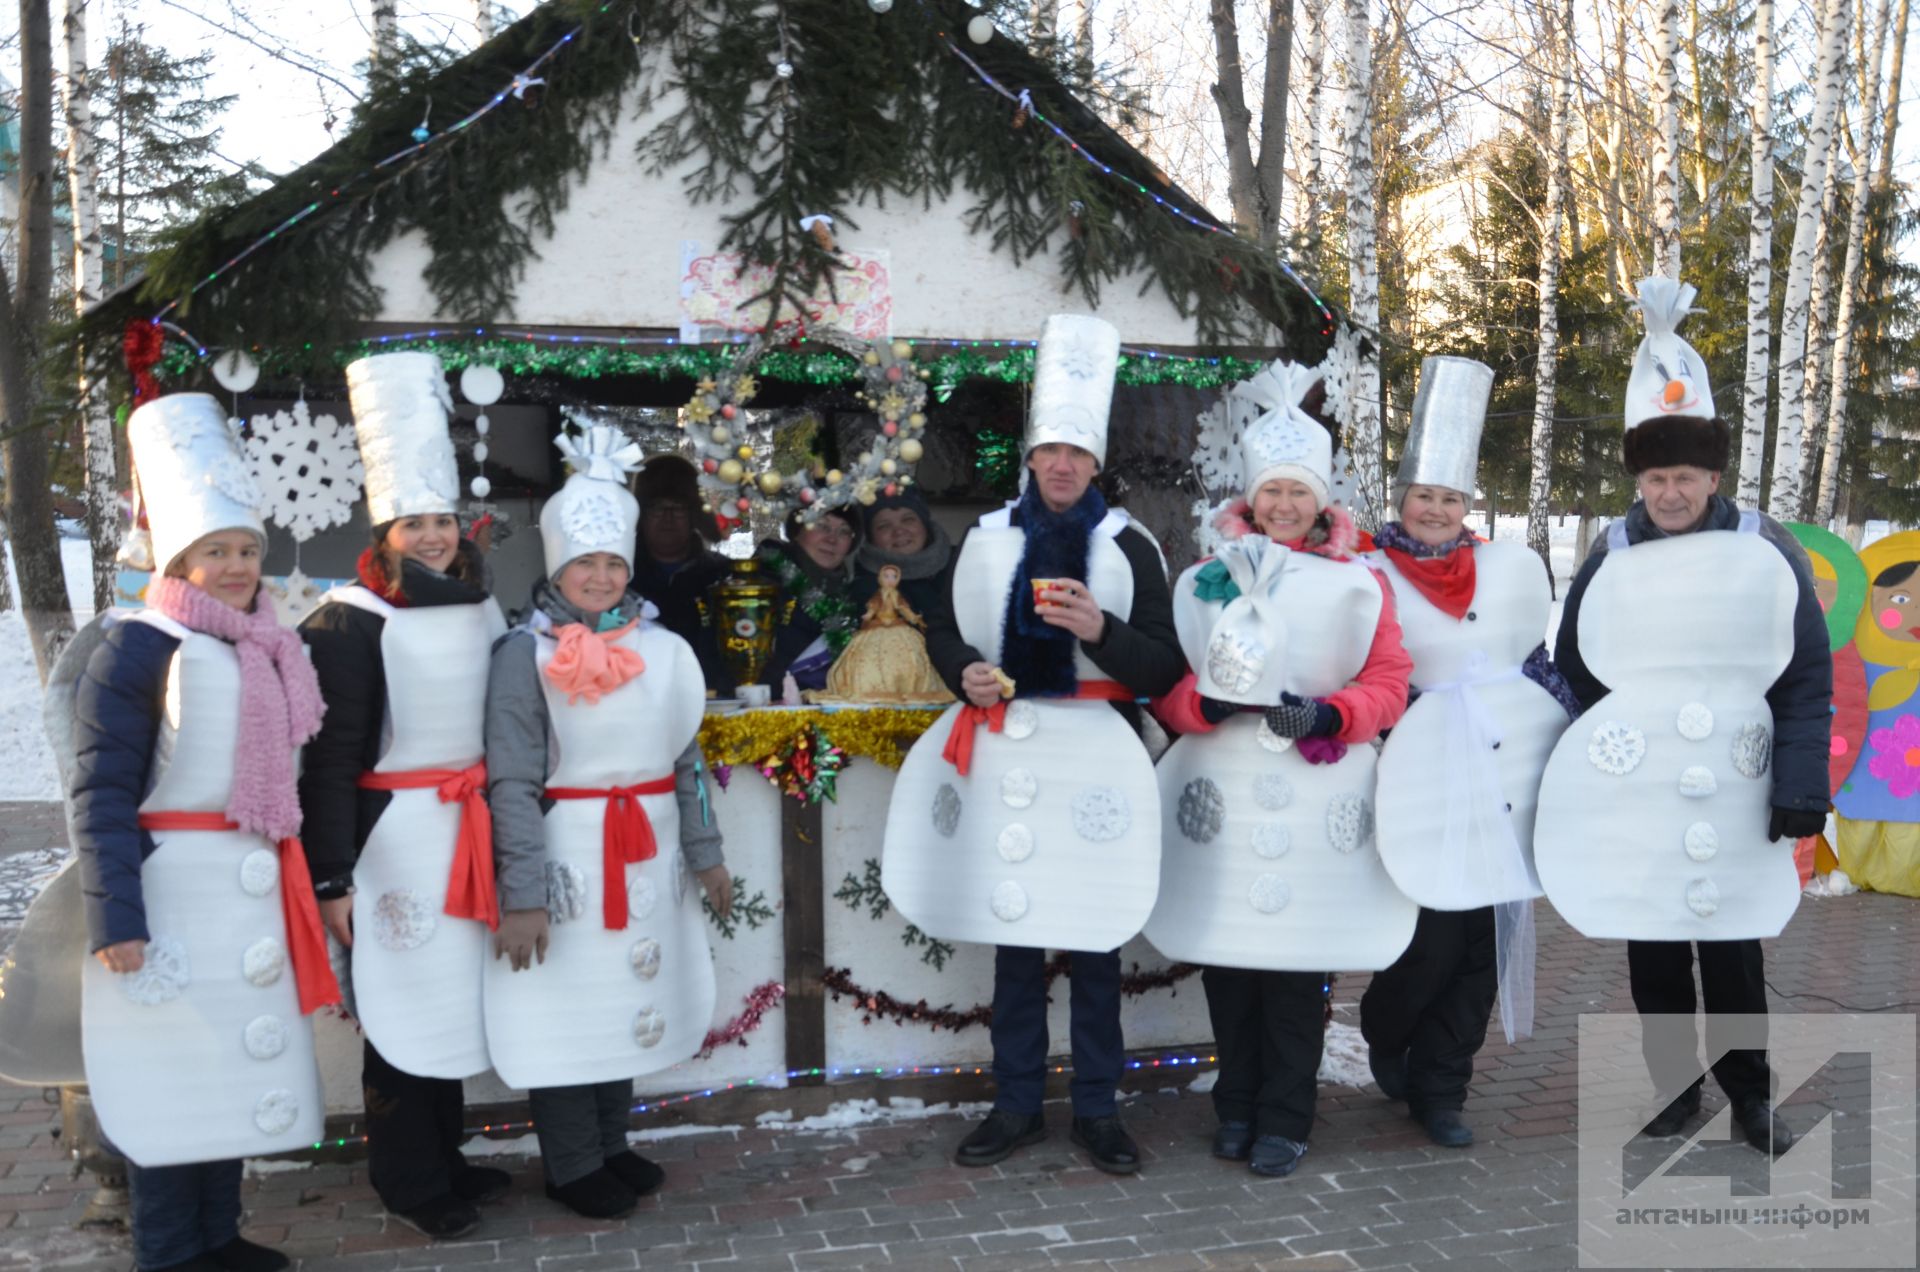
(866, 892)
(751, 910)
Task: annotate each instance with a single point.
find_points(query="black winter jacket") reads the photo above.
(677, 594)
(1801, 698)
(1141, 651)
(344, 642)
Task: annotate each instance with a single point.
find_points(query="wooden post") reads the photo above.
(804, 918)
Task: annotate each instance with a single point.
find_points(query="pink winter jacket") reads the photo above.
(1372, 702)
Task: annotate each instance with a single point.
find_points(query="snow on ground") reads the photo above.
(851, 1113)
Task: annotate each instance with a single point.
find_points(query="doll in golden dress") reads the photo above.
(886, 661)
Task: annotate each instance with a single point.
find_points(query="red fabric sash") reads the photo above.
(470, 893)
(959, 748)
(626, 835)
(1447, 582)
(306, 939)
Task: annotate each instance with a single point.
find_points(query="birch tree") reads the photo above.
(1666, 140)
(483, 20)
(1363, 442)
(1540, 484)
(1820, 306)
(1313, 59)
(1784, 496)
(1753, 424)
(1253, 181)
(83, 176)
(1841, 378)
(386, 32)
(24, 296)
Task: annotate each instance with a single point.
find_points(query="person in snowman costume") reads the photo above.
(398, 833)
(180, 740)
(1269, 877)
(1663, 810)
(601, 971)
(1460, 775)
(1027, 816)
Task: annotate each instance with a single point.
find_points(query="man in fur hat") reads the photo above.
(673, 566)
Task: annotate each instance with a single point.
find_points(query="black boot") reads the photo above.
(1108, 1143)
(1276, 1156)
(597, 1194)
(477, 1185)
(1668, 1121)
(995, 1139)
(1233, 1141)
(1389, 1073)
(1444, 1127)
(443, 1218)
(636, 1172)
(241, 1255)
(1763, 1127)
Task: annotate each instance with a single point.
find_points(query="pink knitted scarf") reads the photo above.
(280, 705)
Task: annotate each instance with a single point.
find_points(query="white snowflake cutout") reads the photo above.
(1101, 813)
(308, 470)
(593, 517)
(1616, 748)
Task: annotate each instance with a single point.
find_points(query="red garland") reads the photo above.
(142, 345)
(878, 1002)
(760, 1000)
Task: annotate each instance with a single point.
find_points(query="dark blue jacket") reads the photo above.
(117, 708)
(1801, 699)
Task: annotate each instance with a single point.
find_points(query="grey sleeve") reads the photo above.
(517, 773)
(699, 831)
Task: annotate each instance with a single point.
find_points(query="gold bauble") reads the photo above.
(834, 476)
(872, 358)
(720, 434)
(769, 483)
(916, 420)
(901, 349)
(868, 496)
(745, 452)
(911, 451)
(730, 471)
(888, 467)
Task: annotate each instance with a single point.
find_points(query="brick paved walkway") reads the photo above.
(1372, 1194)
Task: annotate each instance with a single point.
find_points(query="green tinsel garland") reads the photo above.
(594, 361)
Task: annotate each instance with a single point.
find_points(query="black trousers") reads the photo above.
(1019, 1030)
(1269, 1029)
(1732, 981)
(1433, 1004)
(414, 1128)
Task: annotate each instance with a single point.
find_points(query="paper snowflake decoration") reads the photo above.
(294, 597)
(1616, 747)
(231, 478)
(592, 517)
(307, 468)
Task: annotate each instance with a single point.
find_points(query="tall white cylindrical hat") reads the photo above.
(193, 477)
(594, 511)
(400, 408)
(1073, 372)
(1449, 412)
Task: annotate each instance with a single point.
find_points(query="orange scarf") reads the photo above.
(590, 664)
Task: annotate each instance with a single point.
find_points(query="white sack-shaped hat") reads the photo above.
(400, 408)
(594, 511)
(1449, 412)
(1073, 372)
(1283, 440)
(193, 477)
(1669, 378)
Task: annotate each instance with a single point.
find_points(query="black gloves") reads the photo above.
(1213, 711)
(1298, 717)
(1794, 823)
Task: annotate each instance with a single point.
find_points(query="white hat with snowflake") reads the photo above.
(1283, 440)
(192, 476)
(594, 511)
(1073, 371)
(400, 408)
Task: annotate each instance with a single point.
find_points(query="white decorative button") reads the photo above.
(1272, 791)
(275, 1112)
(1697, 781)
(1269, 894)
(1009, 902)
(259, 873)
(1702, 841)
(263, 961)
(1018, 787)
(1101, 813)
(1271, 740)
(1703, 898)
(1201, 810)
(1022, 719)
(1271, 840)
(649, 1027)
(266, 1037)
(161, 977)
(644, 958)
(1616, 748)
(642, 897)
(401, 920)
(1752, 751)
(1015, 842)
(1695, 721)
(566, 891)
(1349, 821)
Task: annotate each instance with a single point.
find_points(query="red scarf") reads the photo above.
(1447, 582)
(373, 576)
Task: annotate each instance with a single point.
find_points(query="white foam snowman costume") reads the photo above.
(1460, 773)
(417, 969)
(202, 1054)
(1269, 861)
(608, 1004)
(1052, 839)
(1654, 806)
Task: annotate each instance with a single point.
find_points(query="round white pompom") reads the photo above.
(482, 386)
(235, 371)
(980, 29)
(480, 487)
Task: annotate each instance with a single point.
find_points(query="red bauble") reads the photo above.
(744, 504)
(890, 428)
(709, 465)
(893, 374)
(806, 495)
(727, 411)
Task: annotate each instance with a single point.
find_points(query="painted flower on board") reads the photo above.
(1895, 758)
